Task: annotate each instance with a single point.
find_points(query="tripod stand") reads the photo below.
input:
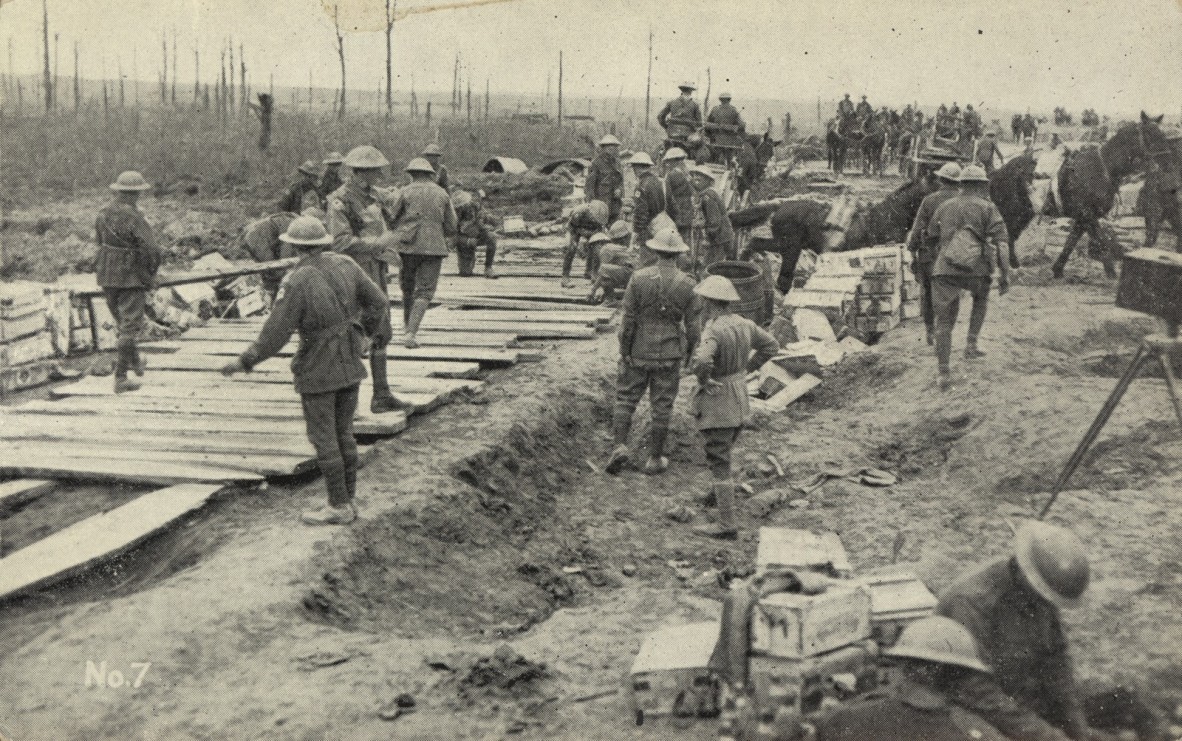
(1154, 347)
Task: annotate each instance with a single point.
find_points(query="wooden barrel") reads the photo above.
(749, 282)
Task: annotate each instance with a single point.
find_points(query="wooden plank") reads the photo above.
(19, 491)
(458, 336)
(90, 288)
(99, 537)
(271, 464)
(491, 302)
(484, 356)
(552, 316)
(54, 414)
(405, 384)
(60, 466)
(185, 360)
(188, 439)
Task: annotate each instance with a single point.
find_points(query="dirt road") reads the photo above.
(258, 627)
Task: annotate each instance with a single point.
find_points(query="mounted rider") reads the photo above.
(864, 109)
(680, 117)
(725, 129)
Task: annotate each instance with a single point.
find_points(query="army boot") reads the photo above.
(724, 529)
(383, 400)
(417, 312)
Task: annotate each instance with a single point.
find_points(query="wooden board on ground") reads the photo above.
(484, 356)
(134, 458)
(190, 361)
(19, 491)
(46, 429)
(59, 466)
(90, 287)
(101, 536)
(196, 379)
(553, 316)
(455, 336)
(477, 302)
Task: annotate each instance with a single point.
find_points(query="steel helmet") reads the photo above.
(669, 241)
(310, 167)
(694, 138)
(461, 198)
(314, 211)
(718, 288)
(334, 158)
(1053, 561)
(939, 639)
(973, 174)
(704, 171)
(619, 230)
(687, 86)
(365, 157)
(431, 150)
(724, 96)
(130, 180)
(306, 230)
(674, 153)
(418, 164)
(597, 237)
(609, 141)
(950, 172)
(641, 158)
(598, 211)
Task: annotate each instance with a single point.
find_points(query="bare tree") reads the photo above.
(174, 66)
(56, 68)
(230, 89)
(486, 99)
(242, 75)
(45, 40)
(469, 100)
(648, 84)
(122, 98)
(77, 82)
(163, 67)
(560, 87)
(391, 6)
(341, 55)
(196, 76)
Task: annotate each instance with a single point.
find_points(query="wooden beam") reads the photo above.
(59, 466)
(99, 537)
(484, 356)
(86, 286)
(136, 460)
(185, 360)
(418, 391)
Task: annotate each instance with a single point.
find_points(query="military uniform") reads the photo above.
(845, 108)
(911, 712)
(355, 220)
(720, 236)
(581, 225)
(727, 130)
(329, 183)
(299, 195)
(679, 118)
(423, 221)
(658, 332)
(722, 357)
(261, 239)
(322, 298)
(605, 182)
(472, 232)
(864, 110)
(648, 201)
(680, 202)
(986, 150)
(923, 246)
(126, 264)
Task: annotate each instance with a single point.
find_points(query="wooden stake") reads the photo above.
(45, 40)
(560, 88)
(648, 85)
(340, 54)
(77, 82)
(391, 6)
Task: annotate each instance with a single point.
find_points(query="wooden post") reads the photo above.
(45, 40)
(175, 64)
(706, 103)
(196, 76)
(560, 88)
(77, 82)
(56, 68)
(242, 75)
(469, 101)
(648, 85)
(309, 88)
(428, 113)
(122, 99)
(486, 99)
(163, 68)
(341, 54)
(391, 6)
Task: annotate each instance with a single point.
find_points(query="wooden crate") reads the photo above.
(34, 347)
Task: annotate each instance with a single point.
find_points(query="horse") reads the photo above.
(1160, 201)
(757, 150)
(889, 220)
(836, 146)
(874, 137)
(1088, 182)
(1009, 190)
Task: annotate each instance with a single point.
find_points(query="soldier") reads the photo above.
(331, 179)
(586, 220)
(605, 177)
(126, 264)
(716, 226)
(356, 223)
(954, 111)
(972, 121)
(972, 236)
(679, 193)
(322, 299)
(720, 404)
(616, 262)
(658, 333)
(1011, 607)
(845, 108)
(680, 117)
(864, 109)
(933, 654)
(302, 192)
(923, 245)
(434, 155)
(264, 240)
(725, 128)
(987, 149)
(472, 232)
(647, 203)
(1016, 127)
(423, 221)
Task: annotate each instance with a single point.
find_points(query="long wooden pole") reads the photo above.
(45, 40)
(648, 85)
(560, 87)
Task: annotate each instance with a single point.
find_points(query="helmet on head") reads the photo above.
(641, 158)
(687, 86)
(718, 288)
(597, 237)
(667, 241)
(950, 171)
(724, 96)
(431, 150)
(694, 139)
(619, 230)
(365, 157)
(973, 174)
(334, 158)
(609, 141)
(128, 181)
(598, 211)
(418, 164)
(703, 171)
(1053, 562)
(939, 639)
(673, 154)
(310, 167)
(461, 198)
(314, 211)
(306, 230)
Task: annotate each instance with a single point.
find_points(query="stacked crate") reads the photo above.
(880, 305)
(26, 334)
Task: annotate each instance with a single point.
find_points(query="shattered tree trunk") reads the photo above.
(263, 110)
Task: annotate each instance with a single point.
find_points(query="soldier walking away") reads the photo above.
(933, 654)
(680, 117)
(719, 236)
(585, 221)
(720, 404)
(971, 237)
(1016, 127)
(679, 193)
(987, 149)
(423, 222)
(356, 224)
(331, 179)
(434, 155)
(616, 262)
(302, 193)
(333, 305)
(1011, 607)
(725, 128)
(472, 232)
(658, 334)
(605, 177)
(126, 264)
(923, 245)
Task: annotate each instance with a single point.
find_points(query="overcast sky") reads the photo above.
(1116, 55)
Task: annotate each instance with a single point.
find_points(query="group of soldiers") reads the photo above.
(1023, 127)
(717, 138)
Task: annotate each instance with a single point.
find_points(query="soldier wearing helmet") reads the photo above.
(649, 199)
(1011, 607)
(585, 221)
(126, 266)
(720, 403)
(725, 128)
(356, 222)
(434, 155)
(658, 333)
(680, 117)
(472, 232)
(717, 232)
(331, 179)
(322, 299)
(605, 177)
(933, 654)
(679, 193)
(923, 245)
(302, 192)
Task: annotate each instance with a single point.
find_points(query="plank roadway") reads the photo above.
(187, 360)
(99, 537)
(485, 356)
(19, 491)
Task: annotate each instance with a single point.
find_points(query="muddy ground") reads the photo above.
(486, 576)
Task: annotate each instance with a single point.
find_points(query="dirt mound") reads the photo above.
(532, 196)
(919, 448)
(504, 674)
(855, 376)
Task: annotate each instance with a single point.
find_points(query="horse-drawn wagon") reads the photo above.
(946, 140)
